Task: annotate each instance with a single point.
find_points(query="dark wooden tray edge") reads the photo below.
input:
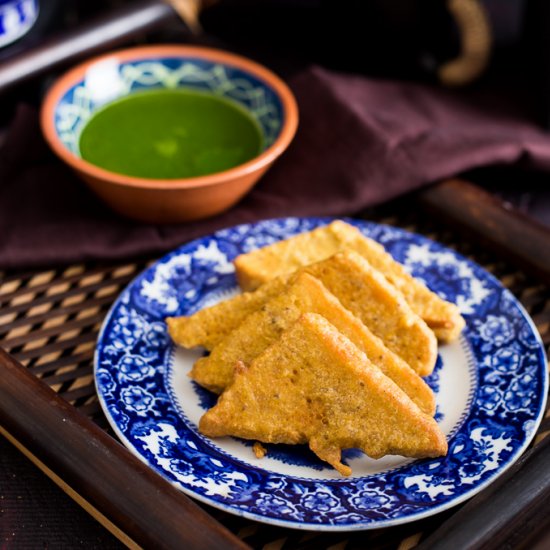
(479, 215)
(136, 504)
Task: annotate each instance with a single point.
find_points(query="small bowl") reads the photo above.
(79, 93)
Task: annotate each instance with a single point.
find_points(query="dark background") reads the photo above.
(401, 39)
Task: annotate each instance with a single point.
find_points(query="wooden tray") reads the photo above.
(49, 321)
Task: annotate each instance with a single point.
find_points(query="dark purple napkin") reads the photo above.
(360, 142)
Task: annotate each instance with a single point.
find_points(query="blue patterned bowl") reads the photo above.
(78, 94)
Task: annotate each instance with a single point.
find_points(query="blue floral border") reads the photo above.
(133, 353)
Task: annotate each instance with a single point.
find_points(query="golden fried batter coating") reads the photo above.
(382, 308)
(314, 386)
(210, 325)
(441, 316)
(261, 265)
(305, 294)
(259, 450)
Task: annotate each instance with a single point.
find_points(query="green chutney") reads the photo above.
(169, 134)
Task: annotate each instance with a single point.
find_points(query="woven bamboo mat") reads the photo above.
(49, 321)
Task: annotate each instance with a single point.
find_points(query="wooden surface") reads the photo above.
(118, 489)
(49, 322)
(479, 215)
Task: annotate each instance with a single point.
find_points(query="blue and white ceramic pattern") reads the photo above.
(490, 387)
(16, 19)
(111, 79)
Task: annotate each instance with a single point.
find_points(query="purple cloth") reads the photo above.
(360, 142)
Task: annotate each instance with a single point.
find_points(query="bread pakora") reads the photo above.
(305, 294)
(314, 386)
(366, 293)
(210, 325)
(359, 287)
(259, 266)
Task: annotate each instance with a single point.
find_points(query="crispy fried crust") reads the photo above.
(314, 386)
(382, 308)
(259, 266)
(441, 316)
(259, 450)
(210, 325)
(304, 295)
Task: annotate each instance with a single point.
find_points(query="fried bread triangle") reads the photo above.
(259, 266)
(367, 294)
(314, 386)
(305, 294)
(210, 325)
(359, 287)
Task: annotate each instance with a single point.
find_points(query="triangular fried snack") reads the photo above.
(305, 294)
(366, 293)
(354, 282)
(441, 316)
(210, 325)
(259, 266)
(314, 386)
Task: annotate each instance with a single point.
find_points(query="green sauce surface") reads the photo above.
(168, 134)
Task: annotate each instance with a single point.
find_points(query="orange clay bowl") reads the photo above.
(79, 93)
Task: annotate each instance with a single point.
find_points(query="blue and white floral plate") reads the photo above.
(490, 386)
